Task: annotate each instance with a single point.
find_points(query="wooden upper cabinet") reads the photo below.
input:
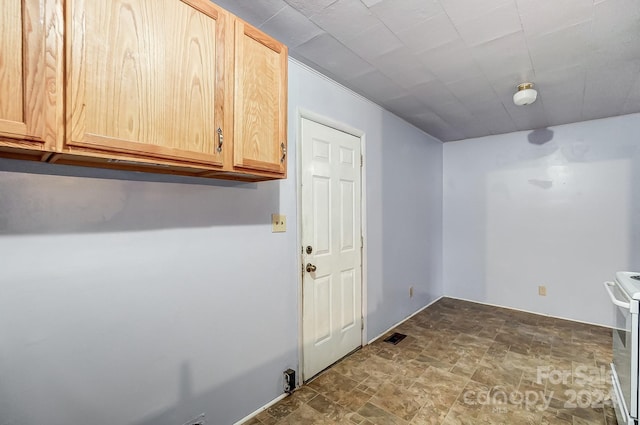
(145, 79)
(260, 102)
(179, 86)
(30, 75)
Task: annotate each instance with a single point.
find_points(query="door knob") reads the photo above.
(311, 268)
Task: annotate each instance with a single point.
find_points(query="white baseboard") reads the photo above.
(405, 319)
(261, 409)
(527, 311)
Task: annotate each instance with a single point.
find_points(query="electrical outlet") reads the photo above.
(542, 291)
(278, 223)
(411, 292)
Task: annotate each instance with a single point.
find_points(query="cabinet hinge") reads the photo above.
(361, 323)
(361, 160)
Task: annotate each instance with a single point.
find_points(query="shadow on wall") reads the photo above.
(499, 181)
(224, 403)
(38, 198)
(540, 136)
(546, 202)
(216, 405)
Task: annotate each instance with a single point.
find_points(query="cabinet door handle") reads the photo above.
(284, 151)
(220, 140)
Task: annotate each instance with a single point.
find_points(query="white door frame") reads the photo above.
(329, 122)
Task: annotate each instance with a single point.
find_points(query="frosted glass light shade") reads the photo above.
(525, 95)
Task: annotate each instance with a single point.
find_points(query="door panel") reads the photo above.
(11, 75)
(321, 215)
(347, 310)
(331, 215)
(322, 296)
(261, 100)
(30, 43)
(144, 79)
(347, 233)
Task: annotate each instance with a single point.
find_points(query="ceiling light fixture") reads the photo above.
(525, 95)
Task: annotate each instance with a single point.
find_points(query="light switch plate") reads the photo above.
(278, 223)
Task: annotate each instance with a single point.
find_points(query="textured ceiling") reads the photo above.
(450, 67)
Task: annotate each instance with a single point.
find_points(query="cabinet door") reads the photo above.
(260, 101)
(30, 47)
(145, 79)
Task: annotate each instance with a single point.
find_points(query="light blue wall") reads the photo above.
(403, 197)
(126, 301)
(558, 207)
(138, 299)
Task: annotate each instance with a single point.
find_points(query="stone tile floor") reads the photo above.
(464, 363)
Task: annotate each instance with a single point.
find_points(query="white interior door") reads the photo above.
(332, 246)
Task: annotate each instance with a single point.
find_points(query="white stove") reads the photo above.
(625, 296)
(630, 282)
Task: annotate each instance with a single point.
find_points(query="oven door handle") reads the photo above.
(608, 286)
